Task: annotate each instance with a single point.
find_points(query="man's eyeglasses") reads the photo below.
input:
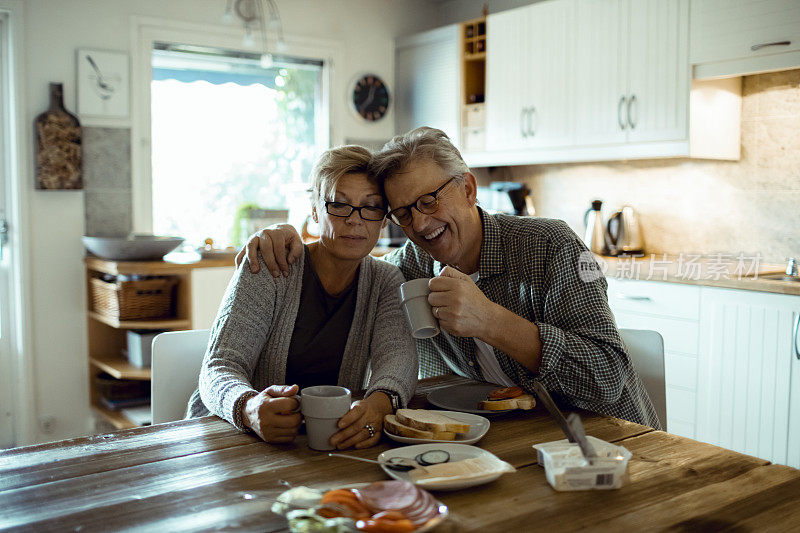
(366, 212)
(427, 204)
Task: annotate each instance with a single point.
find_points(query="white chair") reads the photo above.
(177, 357)
(646, 349)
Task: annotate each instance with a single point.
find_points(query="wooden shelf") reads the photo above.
(119, 367)
(475, 57)
(172, 323)
(117, 419)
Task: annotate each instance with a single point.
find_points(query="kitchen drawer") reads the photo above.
(680, 371)
(654, 298)
(680, 335)
(681, 405)
(474, 139)
(475, 116)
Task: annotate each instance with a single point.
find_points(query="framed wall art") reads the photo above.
(103, 84)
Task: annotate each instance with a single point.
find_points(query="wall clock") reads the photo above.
(369, 97)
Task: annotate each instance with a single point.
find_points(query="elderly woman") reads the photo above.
(335, 320)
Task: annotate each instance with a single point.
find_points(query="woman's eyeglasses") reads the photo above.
(366, 212)
(427, 204)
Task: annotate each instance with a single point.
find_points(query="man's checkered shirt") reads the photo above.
(530, 266)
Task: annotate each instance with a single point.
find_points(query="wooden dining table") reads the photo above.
(196, 475)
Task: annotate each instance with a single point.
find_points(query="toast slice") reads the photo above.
(393, 426)
(525, 401)
(430, 421)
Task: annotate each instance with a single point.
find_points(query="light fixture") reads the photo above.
(253, 15)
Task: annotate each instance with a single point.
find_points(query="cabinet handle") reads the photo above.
(620, 120)
(634, 297)
(532, 113)
(522, 124)
(797, 336)
(756, 47)
(631, 101)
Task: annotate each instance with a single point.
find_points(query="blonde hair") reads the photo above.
(335, 163)
(418, 144)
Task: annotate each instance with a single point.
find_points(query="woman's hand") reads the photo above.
(353, 425)
(272, 415)
(280, 247)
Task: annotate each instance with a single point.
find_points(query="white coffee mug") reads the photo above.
(414, 300)
(322, 407)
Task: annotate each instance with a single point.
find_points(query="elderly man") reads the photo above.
(507, 290)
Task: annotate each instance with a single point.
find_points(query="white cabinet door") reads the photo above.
(657, 107)
(745, 378)
(427, 79)
(723, 30)
(601, 59)
(506, 80)
(548, 39)
(208, 286)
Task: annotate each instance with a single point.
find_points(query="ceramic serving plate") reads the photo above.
(478, 426)
(457, 452)
(465, 398)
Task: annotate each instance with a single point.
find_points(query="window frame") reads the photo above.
(147, 31)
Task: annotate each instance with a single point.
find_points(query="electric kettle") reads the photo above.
(624, 233)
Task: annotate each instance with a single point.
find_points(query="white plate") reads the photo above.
(457, 453)
(478, 426)
(465, 398)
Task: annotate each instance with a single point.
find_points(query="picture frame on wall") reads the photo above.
(103, 84)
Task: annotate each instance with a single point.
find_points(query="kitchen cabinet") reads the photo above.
(749, 373)
(673, 310)
(427, 73)
(632, 72)
(529, 91)
(744, 37)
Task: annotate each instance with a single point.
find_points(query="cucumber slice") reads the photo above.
(432, 457)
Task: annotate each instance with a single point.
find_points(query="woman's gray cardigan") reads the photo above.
(250, 339)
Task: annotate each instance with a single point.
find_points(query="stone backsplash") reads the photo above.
(698, 206)
(107, 181)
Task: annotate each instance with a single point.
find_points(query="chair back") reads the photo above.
(175, 370)
(646, 349)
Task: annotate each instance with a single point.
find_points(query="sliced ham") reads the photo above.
(415, 503)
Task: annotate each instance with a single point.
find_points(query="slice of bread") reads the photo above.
(393, 426)
(430, 421)
(526, 401)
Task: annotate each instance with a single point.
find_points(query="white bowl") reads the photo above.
(133, 247)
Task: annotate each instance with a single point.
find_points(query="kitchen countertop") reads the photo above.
(712, 270)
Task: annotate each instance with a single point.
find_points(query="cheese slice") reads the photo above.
(466, 469)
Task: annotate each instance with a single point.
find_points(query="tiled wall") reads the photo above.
(686, 205)
(107, 181)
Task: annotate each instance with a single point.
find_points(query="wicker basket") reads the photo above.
(133, 300)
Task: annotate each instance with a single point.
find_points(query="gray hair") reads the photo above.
(418, 144)
(335, 163)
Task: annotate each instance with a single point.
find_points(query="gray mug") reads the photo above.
(414, 300)
(322, 407)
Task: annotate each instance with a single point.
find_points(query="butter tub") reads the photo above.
(567, 470)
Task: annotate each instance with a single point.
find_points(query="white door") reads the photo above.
(658, 88)
(747, 357)
(549, 38)
(427, 78)
(6, 363)
(601, 72)
(506, 76)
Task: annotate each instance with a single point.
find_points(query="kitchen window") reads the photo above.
(232, 135)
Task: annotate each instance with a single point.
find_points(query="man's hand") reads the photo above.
(352, 426)
(462, 309)
(272, 415)
(280, 247)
